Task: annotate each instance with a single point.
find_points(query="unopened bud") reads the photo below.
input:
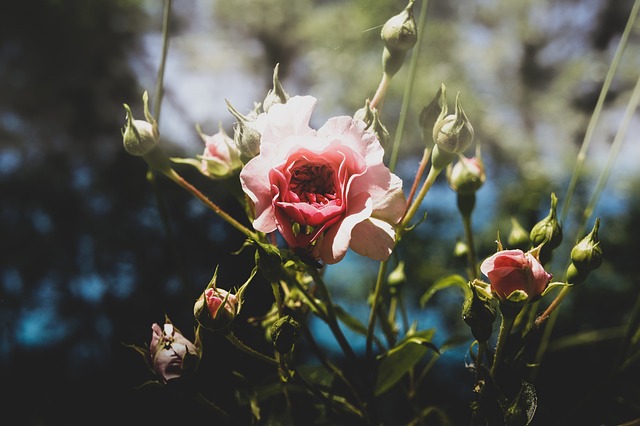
(399, 34)
(140, 136)
(547, 232)
(585, 256)
(518, 237)
(453, 133)
(277, 95)
(246, 135)
(479, 315)
(284, 334)
(430, 114)
(216, 308)
(467, 175)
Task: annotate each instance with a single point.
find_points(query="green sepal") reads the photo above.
(552, 286)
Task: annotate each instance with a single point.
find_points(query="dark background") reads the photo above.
(93, 253)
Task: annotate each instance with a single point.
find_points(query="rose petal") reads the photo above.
(373, 238)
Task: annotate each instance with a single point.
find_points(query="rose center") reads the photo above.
(313, 183)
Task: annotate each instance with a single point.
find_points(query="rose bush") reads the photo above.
(510, 271)
(325, 190)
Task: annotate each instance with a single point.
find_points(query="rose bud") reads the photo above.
(518, 236)
(585, 256)
(399, 34)
(453, 133)
(247, 135)
(479, 315)
(284, 334)
(216, 308)
(140, 136)
(547, 232)
(171, 353)
(515, 276)
(467, 176)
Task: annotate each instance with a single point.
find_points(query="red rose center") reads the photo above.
(313, 183)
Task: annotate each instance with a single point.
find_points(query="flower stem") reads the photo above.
(377, 292)
(214, 408)
(552, 306)
(423, 165)
(598, 108)
(471, 252)
(248, 350)
(505, 328)
(408, 88)
(380, 92)
(163, 60)
(413, 209)
(174, 176)
(332, 319)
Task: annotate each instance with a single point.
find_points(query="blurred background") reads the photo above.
(93, 252)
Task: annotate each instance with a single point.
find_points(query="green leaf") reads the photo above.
(399, 360)
(353, 323)
(446, 282)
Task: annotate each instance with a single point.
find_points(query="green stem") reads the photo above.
(163, 60)
(408, 88)
(505, 328)
(377, 292)
(332, 318)
(598, 108)
(552, 306)
(413, 209)
(631, 329)
(423, 165)
(471, 252)
(248, 350)
(214, 408)
(174, 176)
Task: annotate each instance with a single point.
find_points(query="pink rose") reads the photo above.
(512, 270)
(325, 190)
(220, 158)
(168, 349)
(215, 297)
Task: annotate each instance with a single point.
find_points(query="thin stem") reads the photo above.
(408, 88)
(313, 345)
(471, 252)
(174, 176)
(613, 153)
(421, 167)
(332, 319)
(163, 60)
(598, 108)
(552, 306)
(505, 328)
(377, 292)
(413, 209)
(380, 92)
(248, 350)
(210, 405)
(632, 327)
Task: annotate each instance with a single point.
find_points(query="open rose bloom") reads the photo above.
(512, 271)
(325, 190)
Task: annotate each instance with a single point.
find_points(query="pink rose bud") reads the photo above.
(514, 273)
(216, 307)
(221, 157)
(467, 175)
(168, 350)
